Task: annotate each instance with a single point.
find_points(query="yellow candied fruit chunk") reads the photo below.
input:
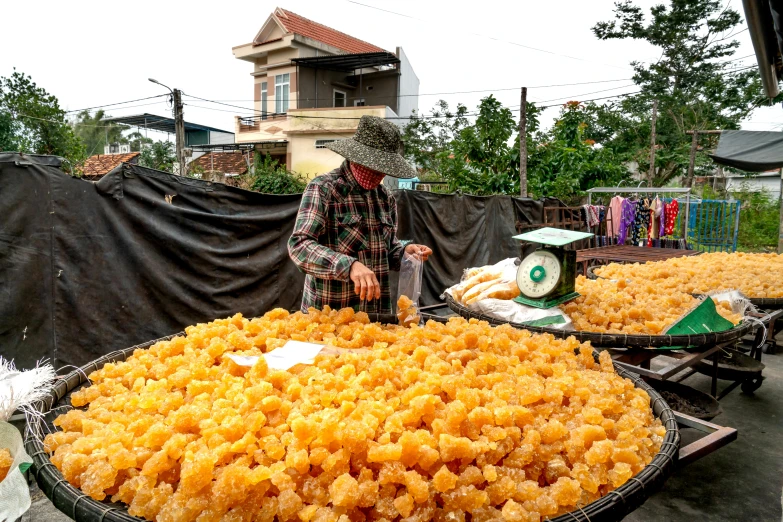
(444, 480)
(344, 491)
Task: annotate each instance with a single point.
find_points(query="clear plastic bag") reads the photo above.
(409, 289)
(14, 492)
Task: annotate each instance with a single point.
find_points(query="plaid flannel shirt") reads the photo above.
(339, 222)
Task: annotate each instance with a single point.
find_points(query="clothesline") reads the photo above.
(644, 190)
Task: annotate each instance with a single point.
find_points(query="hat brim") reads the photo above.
(388, 163)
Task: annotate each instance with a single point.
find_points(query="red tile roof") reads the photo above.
(293, 23)
(102, 164)
(223, 162)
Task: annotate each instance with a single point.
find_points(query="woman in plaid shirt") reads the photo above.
(345, 233)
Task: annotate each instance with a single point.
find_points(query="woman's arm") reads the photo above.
(306, 252)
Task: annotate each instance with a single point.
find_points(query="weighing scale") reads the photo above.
(547, 277)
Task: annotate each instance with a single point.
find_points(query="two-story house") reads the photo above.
(312, 83)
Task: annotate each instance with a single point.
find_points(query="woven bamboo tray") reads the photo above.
(82, 508)
(608, 340)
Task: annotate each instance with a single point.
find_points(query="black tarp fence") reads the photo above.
(88, 268)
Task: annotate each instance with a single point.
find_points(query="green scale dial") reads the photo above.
(538, 274)
(547, 277)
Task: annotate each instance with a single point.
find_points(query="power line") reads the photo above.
(432, 24)
(134, 106)
(19, 114)
(458, 92)
(118, 103)
(587, 93)
(255, 115)
(593, 99)
(249, 110)
(253, 111)
(736, 59)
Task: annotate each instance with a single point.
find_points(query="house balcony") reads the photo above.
(259, 128)
(341, 121)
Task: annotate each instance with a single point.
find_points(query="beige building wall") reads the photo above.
(329, 124)
(306, 159)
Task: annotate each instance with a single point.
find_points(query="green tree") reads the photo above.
(7, 132)
(478, 158)
(483, 158)
(565, 162)
(95, 133)
(480, 162)
(426, 137)
(269, 177)
(39, 125)
(695, 82)
(159, 155)
(137, 141)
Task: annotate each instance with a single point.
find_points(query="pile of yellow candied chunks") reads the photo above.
(632, 306)
(755, 275)
(437, 422)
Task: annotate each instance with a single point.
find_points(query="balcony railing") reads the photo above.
(253, 121)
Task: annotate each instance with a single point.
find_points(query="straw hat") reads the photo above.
(376, 145)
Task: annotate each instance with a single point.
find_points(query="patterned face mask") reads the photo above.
(366, 178)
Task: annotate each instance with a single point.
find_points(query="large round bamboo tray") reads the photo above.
(765, 303)
(82, 508)
(607, 340)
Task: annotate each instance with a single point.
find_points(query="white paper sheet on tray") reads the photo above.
(291, 354)
(285, 357)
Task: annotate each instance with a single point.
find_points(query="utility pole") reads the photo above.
(179, 130)
(523, 144)
(651, 173)
(694, 148)
(179, 126)
(692, 160)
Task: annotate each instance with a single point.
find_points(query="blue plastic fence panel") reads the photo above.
(713, 225)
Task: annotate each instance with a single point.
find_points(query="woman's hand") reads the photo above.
(367, 286)
(420, 251)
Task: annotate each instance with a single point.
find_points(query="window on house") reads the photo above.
(359, 102)
(339, 98)
(263, 101)
(321, 144)
(282, 91)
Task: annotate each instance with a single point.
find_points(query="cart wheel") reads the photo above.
(752, 385)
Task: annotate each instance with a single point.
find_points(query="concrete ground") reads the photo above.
(741, 481)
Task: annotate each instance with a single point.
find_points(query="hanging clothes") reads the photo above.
(615, 215)
(672, 209)
(662, 219)
(626, 215)
(591, 215)
(641, 221)
(653, 230)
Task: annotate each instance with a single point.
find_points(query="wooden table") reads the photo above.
(628, 254)
(638, 362)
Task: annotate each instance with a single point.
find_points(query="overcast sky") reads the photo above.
(90, 53)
